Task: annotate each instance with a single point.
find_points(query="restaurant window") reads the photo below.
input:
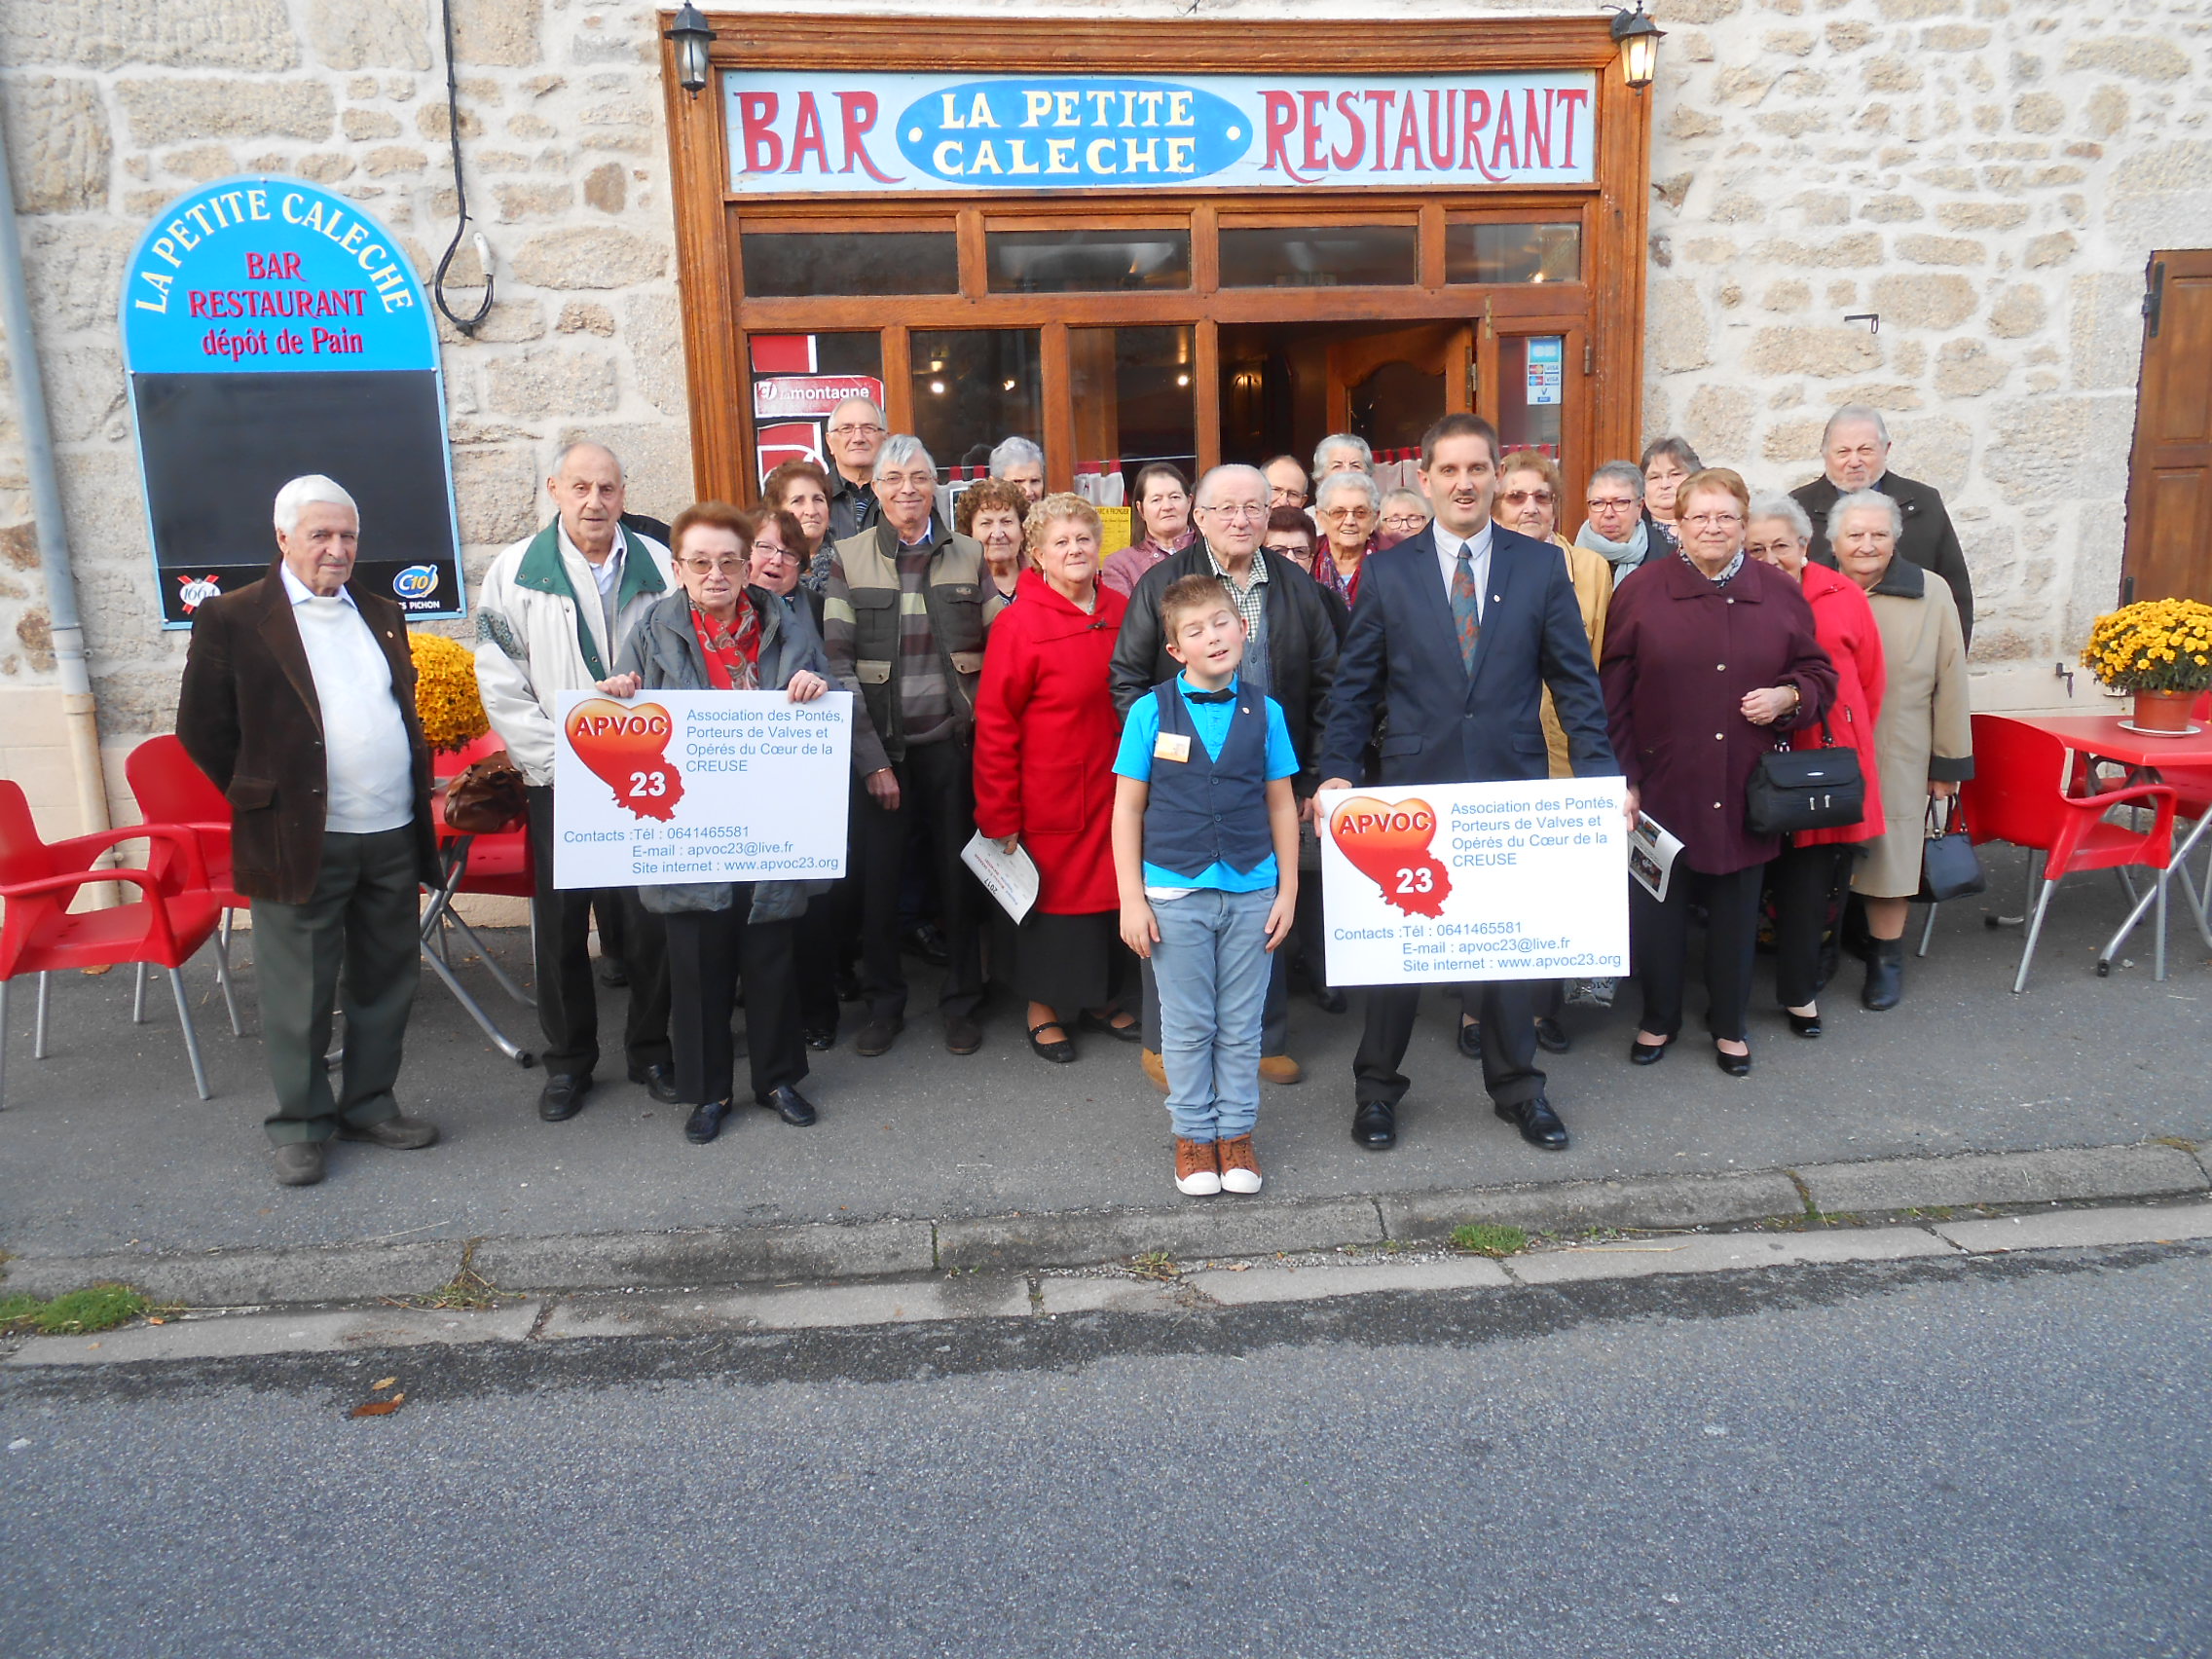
(797, 381)
(1325, 256)
(1067, 261)
(1134, 391)
(1513, 252)
(972, 387)
(787, 264)
(1532, 384)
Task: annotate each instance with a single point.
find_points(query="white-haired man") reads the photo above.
(1855, 454)
(856, 433)
(298, 701)
(902, 618)
(1020, 464)
(1290, 654)
(553, 615)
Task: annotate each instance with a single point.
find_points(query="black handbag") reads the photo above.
(1949, 866)
(1805, 788)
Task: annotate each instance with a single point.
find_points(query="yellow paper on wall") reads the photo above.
(1113, 524)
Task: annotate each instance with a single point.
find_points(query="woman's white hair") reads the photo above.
(1773, 504)
(1353, 441)
(1858, 499)
(1336, 482)
(1419, 501)
(315, 487)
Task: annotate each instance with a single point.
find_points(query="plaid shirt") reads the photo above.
(1252, 607)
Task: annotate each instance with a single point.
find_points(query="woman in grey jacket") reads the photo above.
(719, 633)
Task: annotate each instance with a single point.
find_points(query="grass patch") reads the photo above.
(75, 1312)
(467, 1289)
(1489, 1239)
(1154, 1264)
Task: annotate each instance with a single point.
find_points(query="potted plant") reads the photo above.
(2162, 650)
(446, 698)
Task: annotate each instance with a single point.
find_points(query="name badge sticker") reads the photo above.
(1171, 745)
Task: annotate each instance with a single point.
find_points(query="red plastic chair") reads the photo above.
(2017, 795)
(38, 934)
(171, 788)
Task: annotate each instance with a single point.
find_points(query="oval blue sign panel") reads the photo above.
(1050, 135)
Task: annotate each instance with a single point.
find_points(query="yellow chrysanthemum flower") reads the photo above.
(446, 698)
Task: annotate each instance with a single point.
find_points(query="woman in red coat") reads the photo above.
(1809, 875)
(1707, 656)
(1046, 733)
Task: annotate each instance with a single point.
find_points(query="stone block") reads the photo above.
(548, 384)
(1789, 43)
(1726, 1253)
(391, 161)
(1924, 302)
(169, 34)
(163, 111)
(366, 126)
(1906, 10)
(2080, 1229)
(1954, 37)
(496, 493)
(1847, 37)
(1967, 368)
(2146, 1170)
(1924, 250)
(502, 32)
(585, 316)
(1674, 326)
(2056, 248)
(706, 1256)
(434, 121)
(1079, 1239)
(1260, 1285)
(1683, 122)
(2017, 312)
(1892, 73)
(531, 128)
(593, 256)
(1824, 353)
(2140, 58)
(58, 143)
(235, 1337)
(1862, 249)
(1718, 419)
(326, 168)
(1655, 1201)
(2040, 112)
(1889, 209)
(85, 388)
(2047, 446)
(2182, 164)
(237, 1278)
(2104, 112)
(1981, 215)
(652, 325)
(1792, 443)
(607, 187)
(370, 34)
(2105, 331)
(536, 198)
(508, 323)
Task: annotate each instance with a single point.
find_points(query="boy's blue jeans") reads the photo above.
(1211, 967)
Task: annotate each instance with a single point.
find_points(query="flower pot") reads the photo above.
(2163, 711)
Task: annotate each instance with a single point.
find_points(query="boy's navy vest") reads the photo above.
(1201, 812)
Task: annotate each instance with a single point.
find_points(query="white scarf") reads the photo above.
(1624, 556)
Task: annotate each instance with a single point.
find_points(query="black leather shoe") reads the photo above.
(1329, 1000)
(1375, 1126)
(1642, 1053)
(1471, 1039)
(1538, 1124)
(789, 1104)
(657, 1081)
(928, 941)
(1133, 1032)
(705, 1122)
(821, 1036)
(1885, 975)
(878, 1034)
(1060, 1051)
(1804, 1024)
(1551, 1035)
(563, 1096)
(1735, 1065)
(612, 973)
(847, 986)
(962, 1035)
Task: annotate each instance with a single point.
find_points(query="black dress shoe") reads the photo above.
(847, 984)
(1471, 1039)
(1735, 1065)
(1060, 1053)
(705, 1122)
(928, 941)
(789, 1104)
(1885, 975)
(1551, 1035)
(563, 1096)
(821, 1037)
(1804, 1024)
(1375, 1126)
(1133, 1032)
(878, 1034)
(962, 1035)
(1329, 1000)
(612, 973)
(658, 1081)
(1642, 1053)
(1538, 1124)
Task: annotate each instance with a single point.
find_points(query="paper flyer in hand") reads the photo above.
(1651, 852)
(1009, 877)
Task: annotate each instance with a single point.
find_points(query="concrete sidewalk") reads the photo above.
(106, 1154)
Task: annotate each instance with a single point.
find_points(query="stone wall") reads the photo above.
(1986, 175)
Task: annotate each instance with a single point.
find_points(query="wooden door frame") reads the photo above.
(2155, 368)
(1615, 211)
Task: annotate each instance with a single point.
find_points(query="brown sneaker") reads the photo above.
(1156, 1068)
(299, 1163)
(1239, 1170)
(1280, 1068)
(401, 1134)
(1197, 1174)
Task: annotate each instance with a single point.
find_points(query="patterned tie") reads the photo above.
(1464, 610)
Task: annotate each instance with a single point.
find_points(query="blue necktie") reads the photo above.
(1466, 611)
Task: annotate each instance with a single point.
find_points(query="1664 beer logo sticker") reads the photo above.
(625, 747)
(1388, 843)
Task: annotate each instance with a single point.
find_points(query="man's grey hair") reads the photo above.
(315, 487)
(1335, 483)
(1620, 472)
(1353, 441)
(1205, 493)
(901, 449)
(1851, 503)
(1773, 504)
(1851, 415)
(561, 461)
(868, 403)
(1014, 451)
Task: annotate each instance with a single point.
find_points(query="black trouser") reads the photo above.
(936, 799)
(1509, 1043)
(1310, 930)
(707, 951)
(814, 962)
(1659, 939)
(568, 1000)
(1808, 900)
(608, 915)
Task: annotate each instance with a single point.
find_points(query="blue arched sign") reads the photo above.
(273, 329)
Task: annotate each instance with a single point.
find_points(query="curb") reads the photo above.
(875, 1250)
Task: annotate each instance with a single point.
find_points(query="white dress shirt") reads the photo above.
(1478, 563)
(369, 765)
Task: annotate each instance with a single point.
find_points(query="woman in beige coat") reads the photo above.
(1924, 735)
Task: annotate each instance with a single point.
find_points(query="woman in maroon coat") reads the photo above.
(1046, 733)
(1809, 875)
(1705, 654)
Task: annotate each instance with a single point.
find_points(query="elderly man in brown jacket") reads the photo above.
(299, 703)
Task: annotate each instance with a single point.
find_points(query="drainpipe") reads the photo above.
(78, 710)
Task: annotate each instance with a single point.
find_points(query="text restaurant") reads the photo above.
(1130, 241)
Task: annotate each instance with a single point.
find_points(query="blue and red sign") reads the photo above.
(273, 329)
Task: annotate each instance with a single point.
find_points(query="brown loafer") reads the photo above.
(400, 1134)
(299, 1163)
(1280, 1068)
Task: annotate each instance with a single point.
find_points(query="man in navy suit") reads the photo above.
(1455, 635)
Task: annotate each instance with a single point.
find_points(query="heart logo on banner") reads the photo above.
(624, 745)
(1388, 844)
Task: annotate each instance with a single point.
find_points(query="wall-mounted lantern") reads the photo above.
(692, 38)
(1638, 37)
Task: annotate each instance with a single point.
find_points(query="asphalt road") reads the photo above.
(2001, 1456)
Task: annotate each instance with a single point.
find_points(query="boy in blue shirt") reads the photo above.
(1205, 855)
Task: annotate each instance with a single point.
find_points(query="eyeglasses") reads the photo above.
(763, 550)
(867, 429)
(1237, 510)
(732, 564)
(1714, 520)
(1404, 520)
(1513, 497)
(1771, 549)
(1338, 515)
(1611, 504)
(1287, 498)
(1289, 549)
